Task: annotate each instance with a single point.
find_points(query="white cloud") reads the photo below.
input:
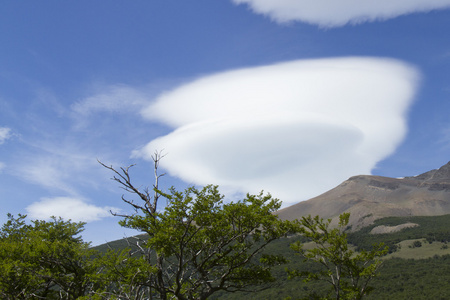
(294, 129)
(114, 98)
(333, 13)
(47, 172)
(5, 133)
(59, 171)
(68, 208)
(68, 166)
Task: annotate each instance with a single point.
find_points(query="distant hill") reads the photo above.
(368, 198)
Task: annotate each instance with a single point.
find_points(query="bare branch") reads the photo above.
(122, 176)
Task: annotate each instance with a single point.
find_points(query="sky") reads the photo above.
(289, 97)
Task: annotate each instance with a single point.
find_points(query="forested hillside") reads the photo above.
(399, 278)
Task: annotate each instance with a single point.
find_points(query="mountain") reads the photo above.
(368, 198)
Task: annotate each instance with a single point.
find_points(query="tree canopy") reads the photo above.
(198, 244)
(195, 245)
(348, 272)
(43, 259)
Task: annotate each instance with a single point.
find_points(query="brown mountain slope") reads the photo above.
(368, 198)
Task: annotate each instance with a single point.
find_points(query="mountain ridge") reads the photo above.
(371, 197)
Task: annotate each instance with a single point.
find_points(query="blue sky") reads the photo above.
(292, 97)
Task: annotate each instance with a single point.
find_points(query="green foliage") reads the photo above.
(431, 228)
(397, 279)
(43, 259)
(413, 279)
(418, 279)
(120, 276)
(199, 245)
(417, 244)
(347, 272)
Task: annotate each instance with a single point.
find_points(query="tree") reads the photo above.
(416, 244)
(44, 259)
(348, 272)
(198, 244)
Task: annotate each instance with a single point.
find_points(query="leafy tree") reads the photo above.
(43, 259)
(198, 244)
(348, 272)
(123, 274)
(417, 244)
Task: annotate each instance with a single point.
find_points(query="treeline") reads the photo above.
(431, 228)
(421, 279)
(195, 247)
(398, 278)
(49, 259)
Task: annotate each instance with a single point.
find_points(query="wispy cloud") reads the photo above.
(57, 167)
(294, 129)
(5, 133)
(59, 154)
(114, 99)
(48, 171)
(334, 13)
(68, 208)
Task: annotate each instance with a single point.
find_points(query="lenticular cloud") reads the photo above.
(294, 129)
(333, 13)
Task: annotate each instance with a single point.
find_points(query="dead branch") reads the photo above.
(122, 176)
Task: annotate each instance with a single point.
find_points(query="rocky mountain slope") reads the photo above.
(368, 198)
